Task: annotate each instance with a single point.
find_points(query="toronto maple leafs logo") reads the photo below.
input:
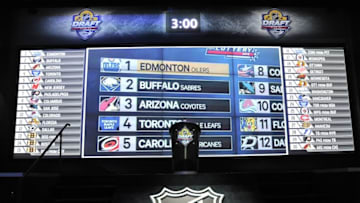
(86, 24)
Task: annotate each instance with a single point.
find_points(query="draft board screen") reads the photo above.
(121, 102)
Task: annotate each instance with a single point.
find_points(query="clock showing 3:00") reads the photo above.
(182, 22)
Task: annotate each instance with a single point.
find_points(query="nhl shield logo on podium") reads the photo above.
(185, 146)
(187, 195)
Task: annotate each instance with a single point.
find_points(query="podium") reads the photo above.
(185, 146)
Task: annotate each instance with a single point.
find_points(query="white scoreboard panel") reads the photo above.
(318, 108)
(50, 93)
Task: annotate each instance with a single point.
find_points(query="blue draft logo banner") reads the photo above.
(276, 23)
(86, 24)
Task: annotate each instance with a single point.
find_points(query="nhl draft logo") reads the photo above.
(86, 24)
(276, 23)
(187, 195)
(185, 136)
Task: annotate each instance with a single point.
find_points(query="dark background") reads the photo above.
(306, 173)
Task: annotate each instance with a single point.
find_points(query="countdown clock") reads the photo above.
(182, 22)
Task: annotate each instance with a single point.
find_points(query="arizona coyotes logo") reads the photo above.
(276, 23)
(187, 195)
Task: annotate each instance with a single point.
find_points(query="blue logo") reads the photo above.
(109, 123)
(35, 72)
(109, 84)
(245, 70)
(110, 65)
(246, 87)
(86, 24)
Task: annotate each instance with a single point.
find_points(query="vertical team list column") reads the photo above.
(260, 103)
(49, 96)
(318, 109)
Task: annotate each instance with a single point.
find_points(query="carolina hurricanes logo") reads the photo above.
(276, 23)
(108, 143)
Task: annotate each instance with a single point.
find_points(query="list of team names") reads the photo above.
(318, 110)
(121, 112)
(49, 96)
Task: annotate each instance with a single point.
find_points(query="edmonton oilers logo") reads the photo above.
(86, 24)
(276, 23)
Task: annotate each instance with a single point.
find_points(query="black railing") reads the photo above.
(18, 198)
(47, 148)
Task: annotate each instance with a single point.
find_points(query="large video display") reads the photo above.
(121, 102)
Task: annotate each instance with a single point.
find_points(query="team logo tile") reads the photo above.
(109, 103)
(246, 71)
(247, 106)
(110, 65)
(108, 143)
(35, 93)
(248, 142)
(246, 87)
(34, 121)
(32, 128)
(305, 117)
(37, 59)
(306, 124)
(35, 73)
(32, 135)
(248, 124)
(109, 123)
(109, 84)
(36, 80)
(34, 106)
(35, 114)
(34, 100)
(37, 53)
(306, 132)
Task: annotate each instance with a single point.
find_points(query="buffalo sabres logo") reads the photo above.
(86, 24)
(276, 23)
(187, 195)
